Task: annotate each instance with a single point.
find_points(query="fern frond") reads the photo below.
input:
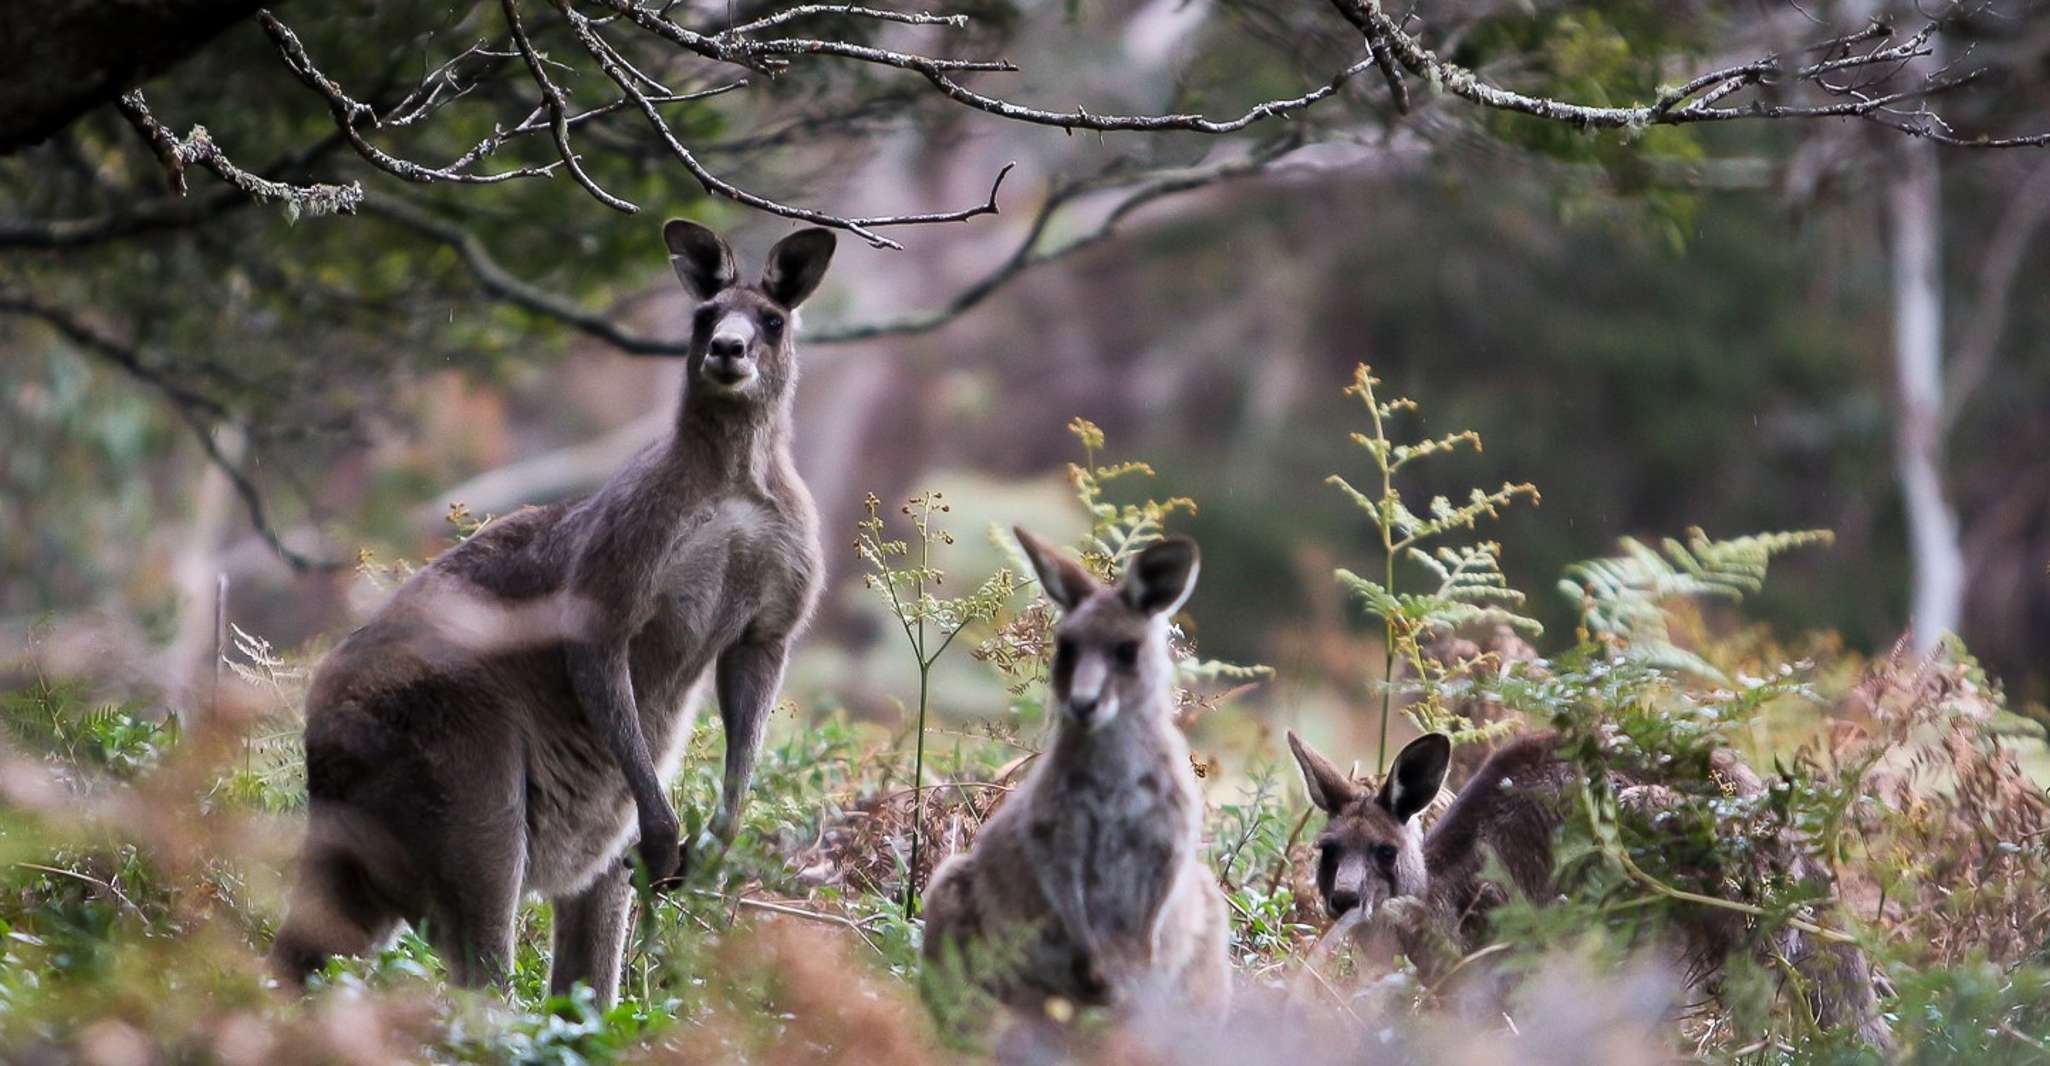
(1622, 598)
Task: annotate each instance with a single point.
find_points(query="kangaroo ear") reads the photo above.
(703, 262)
(1418, 773)
(1064, 580)
(1161, 578)
(796, 264)
(1329, 788)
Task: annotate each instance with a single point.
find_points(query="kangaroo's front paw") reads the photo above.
(659, 849)
(1093, 979)
(662, 886)
(1403, 912)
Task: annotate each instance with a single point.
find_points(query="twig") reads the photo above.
(348, 112)
(1027, 255)
(1473, 956)
(772, 907)
(502, 284)
(1668, 107)
(791, 14)
(87, 878)
(861, 227)
(535, 121)
(1281, 864)
(198, 148)
(558, 111)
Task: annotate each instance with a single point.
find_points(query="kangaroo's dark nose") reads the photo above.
(1083, 709)
(726, 346)
(1342, 901)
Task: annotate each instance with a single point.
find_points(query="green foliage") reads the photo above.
(930, 622)
(1250, 840)
(1470, 589)
(1623, 598)
(911, 585)
(1116, 531)
(58, 719)
(1614, 55)
(136, 890)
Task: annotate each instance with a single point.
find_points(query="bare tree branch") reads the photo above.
(198, 148)
(1673, 107)
(152, 216)
(792, 14)
(1150, 187)
(348, 112)
(169, 212)
(1871, 53)
(503, 285)
(558, 111)
(1146, 187)
(538, 120)
(863, 227)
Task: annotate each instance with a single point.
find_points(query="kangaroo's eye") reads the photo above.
(1385, 854)
(1128, 653)
(702, 320)
(1064, 648)
(772, 322)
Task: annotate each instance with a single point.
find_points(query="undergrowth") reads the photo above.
(141, 859)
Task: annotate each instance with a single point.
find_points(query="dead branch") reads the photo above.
(864, 228)
(1146, 188)
(348, 112)
(198, 148)
(1697, 100)
(558, 111)
(1851, 71)
(502, 284)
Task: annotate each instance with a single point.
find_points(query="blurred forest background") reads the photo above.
(1694, 326)
(230, 411)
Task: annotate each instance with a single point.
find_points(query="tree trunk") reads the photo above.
(66, 57)
(1914, 204)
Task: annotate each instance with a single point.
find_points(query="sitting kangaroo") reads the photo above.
(508, 722)
(1373, 855)
(1089, 883)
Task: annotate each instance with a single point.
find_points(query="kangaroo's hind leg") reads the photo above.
(590, 935)
(475, 856)
(472, 915)
(749, 674)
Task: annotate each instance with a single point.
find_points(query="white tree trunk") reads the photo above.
(1914, 204)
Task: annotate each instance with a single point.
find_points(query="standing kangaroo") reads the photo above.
(507, 723)
(1088, 884)
(1373, 855)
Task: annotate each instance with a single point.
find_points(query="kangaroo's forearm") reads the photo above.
(604, 689)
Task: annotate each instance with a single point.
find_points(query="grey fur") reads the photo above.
(1094, 863)
(507, 723)
(1427, 889)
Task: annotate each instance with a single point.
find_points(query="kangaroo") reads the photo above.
(1088, 882)
(507, 723)
(1373, 855)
